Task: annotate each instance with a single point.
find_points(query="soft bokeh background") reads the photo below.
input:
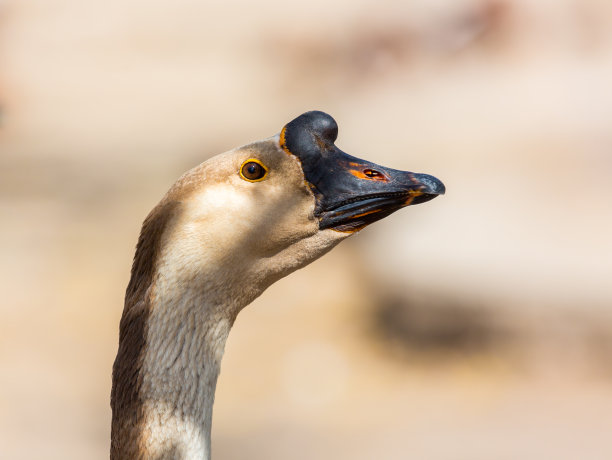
(477, 326)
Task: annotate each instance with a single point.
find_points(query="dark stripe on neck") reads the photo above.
(126, 401)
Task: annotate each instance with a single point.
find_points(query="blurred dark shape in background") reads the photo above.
(431, 324)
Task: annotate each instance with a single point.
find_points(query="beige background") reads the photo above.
(477, 326)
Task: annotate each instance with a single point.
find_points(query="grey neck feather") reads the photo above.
(181, 363)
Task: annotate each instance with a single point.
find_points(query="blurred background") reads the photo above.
(477, 326)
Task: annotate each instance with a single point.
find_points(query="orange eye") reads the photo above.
(253, 171)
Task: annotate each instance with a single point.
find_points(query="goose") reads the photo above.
(223, 233)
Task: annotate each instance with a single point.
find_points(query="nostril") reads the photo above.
(373, 174)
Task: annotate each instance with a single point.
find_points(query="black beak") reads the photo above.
(350, 193)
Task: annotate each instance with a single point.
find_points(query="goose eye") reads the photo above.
(253, 170)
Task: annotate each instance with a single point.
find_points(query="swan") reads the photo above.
(223, 233)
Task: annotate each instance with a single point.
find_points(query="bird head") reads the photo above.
(245, 218)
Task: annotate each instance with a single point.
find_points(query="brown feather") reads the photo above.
(126, 401)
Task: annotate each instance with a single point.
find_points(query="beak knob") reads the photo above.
(312, 133)
(349, 192)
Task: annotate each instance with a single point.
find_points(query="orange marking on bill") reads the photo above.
(283, 143)
(368, 174)
(365, 213)
(359, 174)
(409, 201)
(349, 230)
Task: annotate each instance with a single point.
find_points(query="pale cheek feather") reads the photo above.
(223, 196)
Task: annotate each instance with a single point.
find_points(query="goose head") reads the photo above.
(253, 215)
(223, 233)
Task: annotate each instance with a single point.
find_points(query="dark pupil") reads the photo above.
(253, 171)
